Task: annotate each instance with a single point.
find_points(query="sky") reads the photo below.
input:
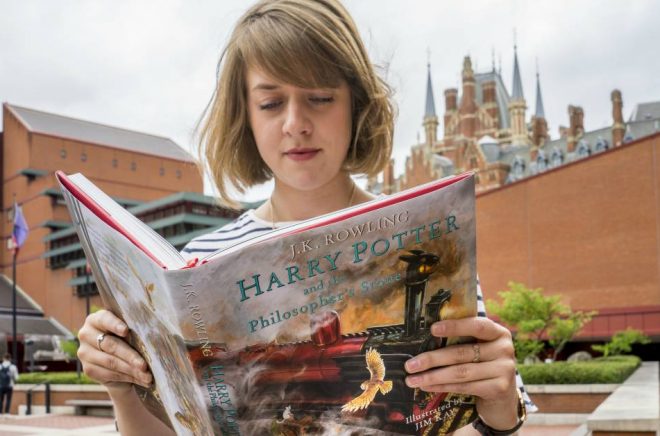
(150, 65)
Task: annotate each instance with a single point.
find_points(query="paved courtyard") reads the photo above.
(64, 425)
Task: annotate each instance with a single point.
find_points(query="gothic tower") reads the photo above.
(517, 106)
(430, 118)
(539, 123)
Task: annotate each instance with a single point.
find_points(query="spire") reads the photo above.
(517, 84)
(430, 103)
(540, 113)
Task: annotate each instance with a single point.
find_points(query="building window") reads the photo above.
(583, 149)
(602, 145)
(115, 163)
(518, 168)
(161, 171)
(63, 153)
(133, 166)
(178, 174)
(557, 158)
(83, 157)
(541, 161)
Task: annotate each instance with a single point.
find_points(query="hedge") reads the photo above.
(59, 378)
(613, 369)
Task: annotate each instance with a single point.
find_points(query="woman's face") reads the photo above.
(302, 134)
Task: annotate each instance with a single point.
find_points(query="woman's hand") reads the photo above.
(117, 365)
(485, 369)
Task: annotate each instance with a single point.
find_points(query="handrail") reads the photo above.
(28, 394)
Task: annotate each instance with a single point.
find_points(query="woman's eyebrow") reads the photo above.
(265, 86)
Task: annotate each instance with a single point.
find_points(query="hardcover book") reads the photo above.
(303, 330)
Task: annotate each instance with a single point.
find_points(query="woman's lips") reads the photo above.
(302, 154)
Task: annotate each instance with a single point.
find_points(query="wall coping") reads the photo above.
(572, 389)
(633, 407)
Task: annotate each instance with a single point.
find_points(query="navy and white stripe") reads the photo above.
(248, 226)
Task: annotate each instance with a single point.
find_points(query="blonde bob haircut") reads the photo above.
(305, 43)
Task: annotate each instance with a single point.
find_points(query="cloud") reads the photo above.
(150, 66)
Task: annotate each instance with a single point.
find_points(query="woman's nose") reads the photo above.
(297, 121)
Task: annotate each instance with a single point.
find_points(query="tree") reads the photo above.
(622, 342)
(536, 317)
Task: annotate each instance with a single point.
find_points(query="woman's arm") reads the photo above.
(118, 366)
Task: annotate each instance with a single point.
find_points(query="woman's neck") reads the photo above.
(290, 204)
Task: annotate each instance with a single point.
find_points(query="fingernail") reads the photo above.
(138, 362)
(437, 329)
(121, 328)
(412, 364)
(413, 381)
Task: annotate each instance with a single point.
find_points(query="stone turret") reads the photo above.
(517, 105)
(539, 123)
(430, 118)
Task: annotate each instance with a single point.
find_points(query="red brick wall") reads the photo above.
(588, 230)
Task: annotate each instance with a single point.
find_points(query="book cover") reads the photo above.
(305, 330)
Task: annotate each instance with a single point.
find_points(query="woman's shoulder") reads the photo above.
(246, 226)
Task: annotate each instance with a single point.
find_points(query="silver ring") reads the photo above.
(475, 348)
(99, 339)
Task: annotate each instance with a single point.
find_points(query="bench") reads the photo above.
(99, 407)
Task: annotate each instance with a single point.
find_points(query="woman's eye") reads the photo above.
(270, 105)
(322, 100)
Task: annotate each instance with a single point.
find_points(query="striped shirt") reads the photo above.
(248, 226)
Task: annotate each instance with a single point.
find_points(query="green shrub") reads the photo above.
(622, 342)
(65, 378)
(600, 370)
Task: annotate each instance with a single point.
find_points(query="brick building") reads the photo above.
(149, 174)
(486, 129)
(576, 215)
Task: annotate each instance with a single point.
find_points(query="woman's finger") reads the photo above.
(113, 364)
(106, 321)
(104, 375)
(479, 327)
(457, 354)
(488, 389)
(503, 370)
(113, 346)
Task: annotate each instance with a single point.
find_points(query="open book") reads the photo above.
(302, 330)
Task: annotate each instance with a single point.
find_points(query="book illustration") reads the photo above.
(341, 377)
(371, 387)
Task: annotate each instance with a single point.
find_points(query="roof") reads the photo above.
(517, 93)
(646, 111)
(501, 95)
(24, 304)
(33, 325)
(430, 102)
(540, 112)
(88, 131)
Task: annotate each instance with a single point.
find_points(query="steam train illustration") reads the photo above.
(318, 376)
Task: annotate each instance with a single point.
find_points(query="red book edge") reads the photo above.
(92, 205)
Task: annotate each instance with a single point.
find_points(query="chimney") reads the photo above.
(451, 96)
(388, 178)
(490, 101)
(618, 127)
(576, 127)
(468, 109)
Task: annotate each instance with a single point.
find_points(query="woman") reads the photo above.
(298, 101)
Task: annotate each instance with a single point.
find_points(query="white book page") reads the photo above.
(152, 241)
